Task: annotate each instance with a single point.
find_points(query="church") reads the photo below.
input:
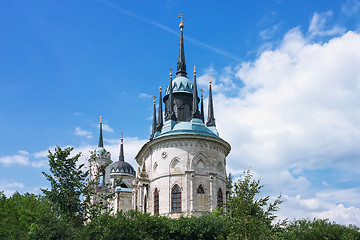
(182, 168)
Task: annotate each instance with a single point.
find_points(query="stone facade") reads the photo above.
(189, 161)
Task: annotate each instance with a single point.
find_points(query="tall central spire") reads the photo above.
(181, 65)
(101, 143)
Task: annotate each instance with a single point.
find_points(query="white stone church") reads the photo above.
(182, 168)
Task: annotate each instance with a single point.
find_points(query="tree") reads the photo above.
(306, 229)
(68, 183)
(19, 212)
(248, 217)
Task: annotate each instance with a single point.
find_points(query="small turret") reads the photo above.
(170, 115)
(160, 114)
(195, 106)
(121, 155)
(154, 124)
(202, 106)
(101, 142)
(211, 118)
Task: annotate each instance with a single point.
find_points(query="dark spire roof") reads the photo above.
(101, 143)
(202, 106)
(170, 114)
(195, 106)
(181, 65)
(121, 155)
(211, 119)
(160, 114)
(154, 120)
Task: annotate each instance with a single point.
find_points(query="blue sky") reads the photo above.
(286, 88)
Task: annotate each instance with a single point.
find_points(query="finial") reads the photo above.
(122, 138)
(194, 69)
(181, 25)
(160, 89)
(202, 92)
(170, 72)
(210, 80)
(154, 99)
(101, 118)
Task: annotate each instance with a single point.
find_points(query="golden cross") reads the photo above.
(202, 92)
(154, 99)
(181, 17)
(170, 71)
(194, 69)
(210, 80)
(101, 118)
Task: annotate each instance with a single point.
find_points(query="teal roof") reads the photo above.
(195, 126)
(181, 84)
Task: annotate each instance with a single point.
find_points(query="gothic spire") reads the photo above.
(181, 65)
(160, 114)
(154, 120)
(202, 106)
(121, 155)
(211, 119)
(195, 106)
(170, 113)
(101, 143)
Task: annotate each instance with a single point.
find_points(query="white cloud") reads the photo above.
(318, 25)
(40, 164)
(269, 32)
(350, 7)
(43, 154)
(23, 152)
(319, 207)
(144, 95)
(107, 128)
(10, 187)
(22, 158)
(298, 111)
(80, 132)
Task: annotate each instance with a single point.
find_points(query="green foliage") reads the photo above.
(19, 212)
(67, 184)
(136, 225)
(305, 229)
(248, 217)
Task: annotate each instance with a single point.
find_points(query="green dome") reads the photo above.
(181, 84)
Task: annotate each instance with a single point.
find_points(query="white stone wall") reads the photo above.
(187, 161)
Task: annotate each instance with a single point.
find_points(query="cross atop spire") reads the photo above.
(181, 23)
(101, 118)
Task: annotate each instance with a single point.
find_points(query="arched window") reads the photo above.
(200, 190)
(219, 198)
(156, 201)
(123, 185)
(175, 199)
(175, 165)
